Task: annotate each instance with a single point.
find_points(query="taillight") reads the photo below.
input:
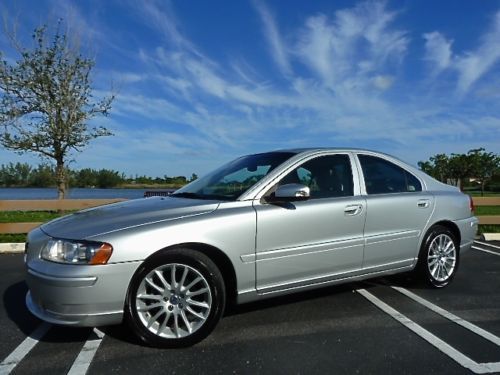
(471, 204)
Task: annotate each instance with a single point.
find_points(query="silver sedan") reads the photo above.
(260, 226)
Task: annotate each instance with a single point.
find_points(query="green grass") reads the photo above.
(489, 229)
(8, 238)
(28, 216)
(487, 210)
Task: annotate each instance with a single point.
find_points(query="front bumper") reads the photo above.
(76, 295)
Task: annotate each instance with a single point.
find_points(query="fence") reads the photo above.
(78, 204)
(45, 205)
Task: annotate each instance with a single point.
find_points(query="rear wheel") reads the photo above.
(175, 299)
(439, 257)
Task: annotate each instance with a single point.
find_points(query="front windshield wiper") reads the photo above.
(201, 196)
(188, 195)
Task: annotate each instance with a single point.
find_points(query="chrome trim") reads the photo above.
(308, 249)
(380, 238)
(331, 277)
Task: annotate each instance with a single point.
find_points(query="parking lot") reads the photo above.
(387, 325)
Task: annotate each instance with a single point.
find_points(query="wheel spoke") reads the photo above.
(197, 292)
(149, 307)
(162, 279)
(434, 271)
(172, 277)
(197, 314)
(193, 283)
(183, 279)
(186, 321)
(161, 327)
(153, 297)
(198, 303)
(434, 261)
(153, 285)
(154, 318)
(176, 326)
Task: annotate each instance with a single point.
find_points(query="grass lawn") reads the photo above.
(487, 210)
(28, 216)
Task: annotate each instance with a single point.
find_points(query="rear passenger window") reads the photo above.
(383, 177)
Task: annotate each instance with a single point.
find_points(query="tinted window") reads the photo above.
(233, 179)
(382, 177)
(327, 176)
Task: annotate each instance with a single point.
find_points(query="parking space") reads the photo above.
(383, 325)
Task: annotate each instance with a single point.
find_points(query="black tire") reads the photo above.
(173, 302)
(438, 261)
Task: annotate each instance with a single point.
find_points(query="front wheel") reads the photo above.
(175, 299)
(439, 257)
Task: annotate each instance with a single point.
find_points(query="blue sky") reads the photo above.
(201, 82)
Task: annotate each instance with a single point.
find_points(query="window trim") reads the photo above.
(390, 160)
(354, 170)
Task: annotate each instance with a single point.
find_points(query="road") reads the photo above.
(386, 325)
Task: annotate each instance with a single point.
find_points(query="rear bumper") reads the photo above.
(468, 230)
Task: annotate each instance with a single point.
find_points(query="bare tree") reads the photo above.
(46, 101)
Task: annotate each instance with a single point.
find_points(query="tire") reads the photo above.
(439, 257)
(175, 299)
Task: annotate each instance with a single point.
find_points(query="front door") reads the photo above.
(315, 240)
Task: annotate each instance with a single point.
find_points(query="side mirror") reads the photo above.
(290, 193)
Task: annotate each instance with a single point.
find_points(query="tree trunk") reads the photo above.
(482, 188)
(61, 179)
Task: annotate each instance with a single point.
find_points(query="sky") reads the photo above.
(199, 82)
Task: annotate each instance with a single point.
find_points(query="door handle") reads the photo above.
(353, 209)
(423, 203)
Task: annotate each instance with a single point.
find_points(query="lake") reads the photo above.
(76, 193)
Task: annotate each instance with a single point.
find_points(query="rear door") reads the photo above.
(397, 211)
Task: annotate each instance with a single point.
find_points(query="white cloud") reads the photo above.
(273, 37)
(335, 48)
(470, 65)
(438, 50)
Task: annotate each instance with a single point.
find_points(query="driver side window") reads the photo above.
(327, 176)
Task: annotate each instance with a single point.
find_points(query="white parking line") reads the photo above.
(487, 244)
(86, 355)
(448, 315)
(23, 349)
(486, 251)
(460, 358)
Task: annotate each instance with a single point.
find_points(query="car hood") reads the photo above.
(109, 218)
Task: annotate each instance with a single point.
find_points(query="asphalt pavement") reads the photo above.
(385, 325)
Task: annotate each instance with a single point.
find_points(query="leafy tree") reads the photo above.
(107, 178)
(456, 168)
(46, 101)
(42, 176)
(484, 165)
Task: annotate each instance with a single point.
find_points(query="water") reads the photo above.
(76, 193)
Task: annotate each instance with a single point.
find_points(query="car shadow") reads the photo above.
(15, 306)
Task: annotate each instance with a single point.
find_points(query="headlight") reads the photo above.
(77, 252)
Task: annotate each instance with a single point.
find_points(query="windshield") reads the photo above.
(233, 179)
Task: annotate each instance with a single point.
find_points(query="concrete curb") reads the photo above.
(491, 236)
(11, 248)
